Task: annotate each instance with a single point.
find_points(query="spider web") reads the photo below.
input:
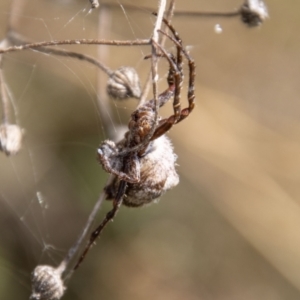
(49, 188)
(54, 100)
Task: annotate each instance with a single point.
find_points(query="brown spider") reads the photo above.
(144, 168)
(150, 170)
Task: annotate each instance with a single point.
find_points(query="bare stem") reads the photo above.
(15, 10)
(154, 61)
(180, 13)
(207, 14)
(137, 42)
(252, 12)
(18, 40)
(146, 88)
(104, 107)
(3, 96)
(154, 75)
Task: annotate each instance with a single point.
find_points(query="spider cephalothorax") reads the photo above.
(147, 167)
(151, 170)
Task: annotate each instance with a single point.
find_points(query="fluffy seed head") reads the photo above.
(46, 284)
(10, 138)
(254, 12)
(124, 83)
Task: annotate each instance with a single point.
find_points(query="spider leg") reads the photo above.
(112, 163)
(191, 90)
(175, 78)
(117, 202)
(164, 126)
(165, 96)
(175, 81)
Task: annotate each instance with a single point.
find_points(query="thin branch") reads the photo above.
(154, 63)
(148, 9)
(104, 108)
(137, 42)
(154, 75)
(251, 12)
(208, 14)
(17, 40)
(3, 96)
(15, 10)
(146, 89)
(79, 56)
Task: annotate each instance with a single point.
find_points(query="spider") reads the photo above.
(150, 170)
(144, 168)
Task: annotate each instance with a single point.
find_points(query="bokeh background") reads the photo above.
(230, 230)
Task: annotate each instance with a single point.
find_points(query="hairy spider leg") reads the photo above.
(165, 96)
(179, 115)
(179, 66)
(191, 89)
(174, 79)
(107, 151)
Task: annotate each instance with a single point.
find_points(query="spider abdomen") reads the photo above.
(157, 175)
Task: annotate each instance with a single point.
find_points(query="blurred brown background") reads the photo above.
(230, 230)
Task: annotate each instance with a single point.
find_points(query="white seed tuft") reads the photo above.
(254, 12)
(46, 284)
(124, 83)
(10, 138)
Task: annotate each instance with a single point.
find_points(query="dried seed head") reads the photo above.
(254, 12)
(10, 138)
(94, 3)
(124, 83)
(46, 284)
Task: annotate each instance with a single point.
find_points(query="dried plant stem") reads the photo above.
(252, 12)
(154, 62)
(17, 40)
(103, 102)
(147, 86)
(146, 9)
(3, 96)
(154, 75)
(229, 14)
(137, 42)
(79, 56)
